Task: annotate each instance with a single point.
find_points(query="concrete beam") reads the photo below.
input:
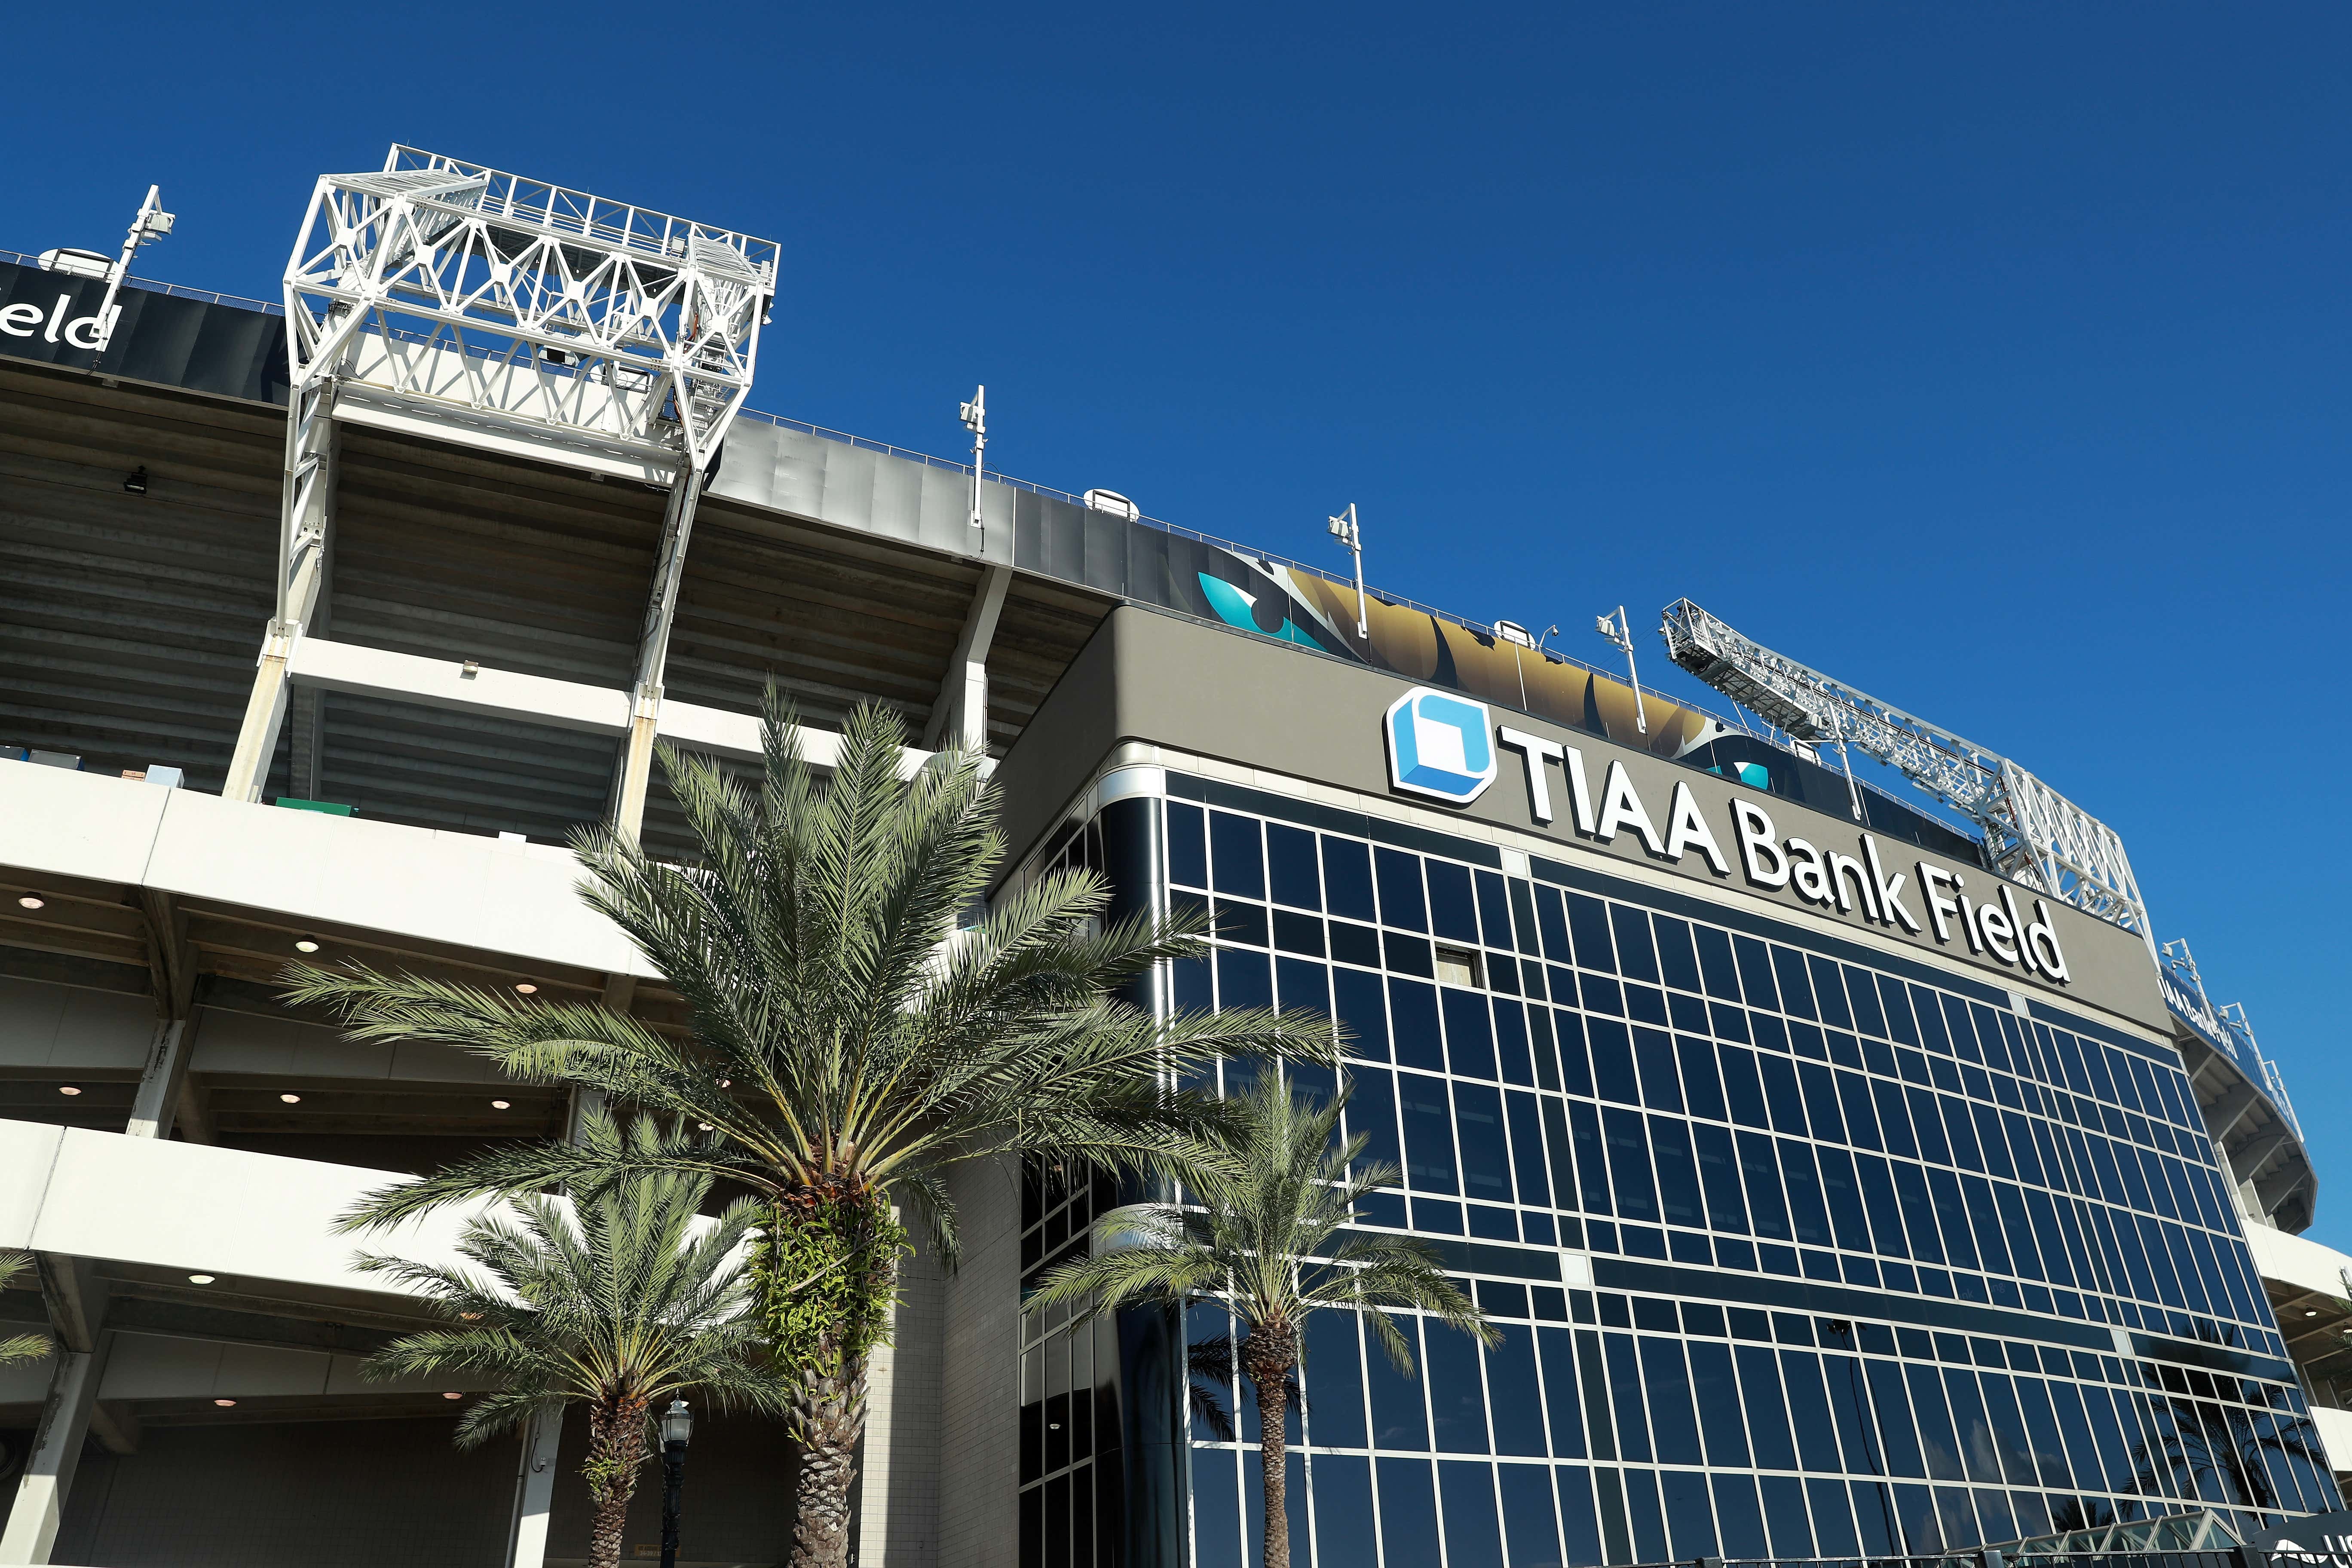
(960, 712)
(460, 687)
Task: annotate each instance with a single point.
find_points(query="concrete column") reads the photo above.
(41, 1490)
(899, 1470)
(535, 1488)
(158, 1099)
(265, 715)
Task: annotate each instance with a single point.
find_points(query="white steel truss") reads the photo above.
(2034, 834)
(499, 311)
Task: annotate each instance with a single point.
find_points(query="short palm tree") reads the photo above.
(848, 1043)
(1261, 1237)
(20, 1347)
(612, 1302)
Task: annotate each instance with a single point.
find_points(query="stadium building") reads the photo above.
(1847, 1173)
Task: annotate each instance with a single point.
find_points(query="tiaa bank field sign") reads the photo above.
(1445, 747)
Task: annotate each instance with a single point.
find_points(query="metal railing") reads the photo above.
(176, 290)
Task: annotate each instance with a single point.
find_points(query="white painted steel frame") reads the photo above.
(2033, 833)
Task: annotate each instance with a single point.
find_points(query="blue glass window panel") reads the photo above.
(1807, 1216)
(1822, 1103)
(1511, 1043)
(1451, 914)
(1754, 971)
(1523, 909)
(1518, 1414)
(1613, 1061)
(1216, 1508)
(1900, 1025)
(1188, 847)
(1467, 1491)
(1362, 1008)
(1842, 1193)
(1592, 1163)
(1243, 980)
(1407, 1510)
(1717, 1393)
(1832, 1512)
(1654, 1061)
(2010, 1439)
(1528, 1151)
(1918, 1211)
(1955, 1518)
(1702, 1077)
(1893, 1121)
(1677, 960)
(1736, 1514)
(1469, 1033)
(1331, 1375)
(1494, 910)
(1407, 954)
(1862, 989)
(1796, 988)
(1673, 1427)
(1588, 919)
(1719, 1168)
(1952, 1218)
(1529, 1526)
(1915, 1519)
(1935, 1424)
(1429, 1163)
(1485, 1162)
(1580, 1526)
(1960, 1132)
(1809, 1410)
(1768, 1421)
(1290, 867)
(1994, 1519)
(1399, 1420)
(2085, 1470)
(1306, 986)
(1678, 1190)
(1861, 1116)
(1637, 955)
(1742, 1089)
(1874, 1511)
(1625, 1397)
(1971, 1424)
(1400, 898)
(1371, 1110)
(1629, 1165)
(1928, 1125)
(1563, 1393)
(1437, 1216)
(1689, 1516)
(1552, 921)
(1598, 1426)
(1347, 877)
(1720, 975)
(1236, 856)
(1641, 1505)
(1759, 1167)
(1560, 1154)
(1898, 1439)
(1343, 1511)
(1412, 1021)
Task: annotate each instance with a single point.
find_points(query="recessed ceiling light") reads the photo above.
(704, 1125)
(306, 945)
(526, 988)
(2311, 1311)
(452, 1394)
(30, 902)
(68, 1091)
(502, 1105)
(224, 1403)
(291, 1098)
(202, 1278)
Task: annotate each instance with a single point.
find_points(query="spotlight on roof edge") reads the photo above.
(2033, 833)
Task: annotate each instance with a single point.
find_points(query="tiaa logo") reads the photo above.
(1440, 745)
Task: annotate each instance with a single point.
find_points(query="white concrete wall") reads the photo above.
(2334, 1435)
(2293, 1260)
(980, 1388)
(459, 887)
(899, 1485)
(44, 1026)
(194, 1209)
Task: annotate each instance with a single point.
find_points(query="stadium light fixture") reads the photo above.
(1621, 632)
(152, 225)
(1350, 535)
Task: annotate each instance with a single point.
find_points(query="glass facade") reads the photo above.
(1797, 1247)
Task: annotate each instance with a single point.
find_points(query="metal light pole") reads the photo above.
(1344, 529)
(975, 419)
(152, 225)
(1621, 632)
(677, 1427)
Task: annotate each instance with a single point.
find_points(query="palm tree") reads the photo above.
(1262, 1237)
(21, 1347)
(612, 1302)
(847, 1044)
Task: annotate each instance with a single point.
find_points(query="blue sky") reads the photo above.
(1990, 357)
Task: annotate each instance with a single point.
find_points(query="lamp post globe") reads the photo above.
(676, 1430)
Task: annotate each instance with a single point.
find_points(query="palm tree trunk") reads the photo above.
(616, 1444)
(1268, 1354)
(828, 1417)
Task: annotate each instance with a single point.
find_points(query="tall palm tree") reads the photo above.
(1262, 1237)
(847, 1043)
(611, 1302)
(19, 1347)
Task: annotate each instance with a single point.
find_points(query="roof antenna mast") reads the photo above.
(975, 419)
(1344, 529)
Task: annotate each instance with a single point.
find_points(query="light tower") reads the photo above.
(1345, 528)
(975, 419)
(444, 298)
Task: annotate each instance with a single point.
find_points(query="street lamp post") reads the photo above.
(677, 1428)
